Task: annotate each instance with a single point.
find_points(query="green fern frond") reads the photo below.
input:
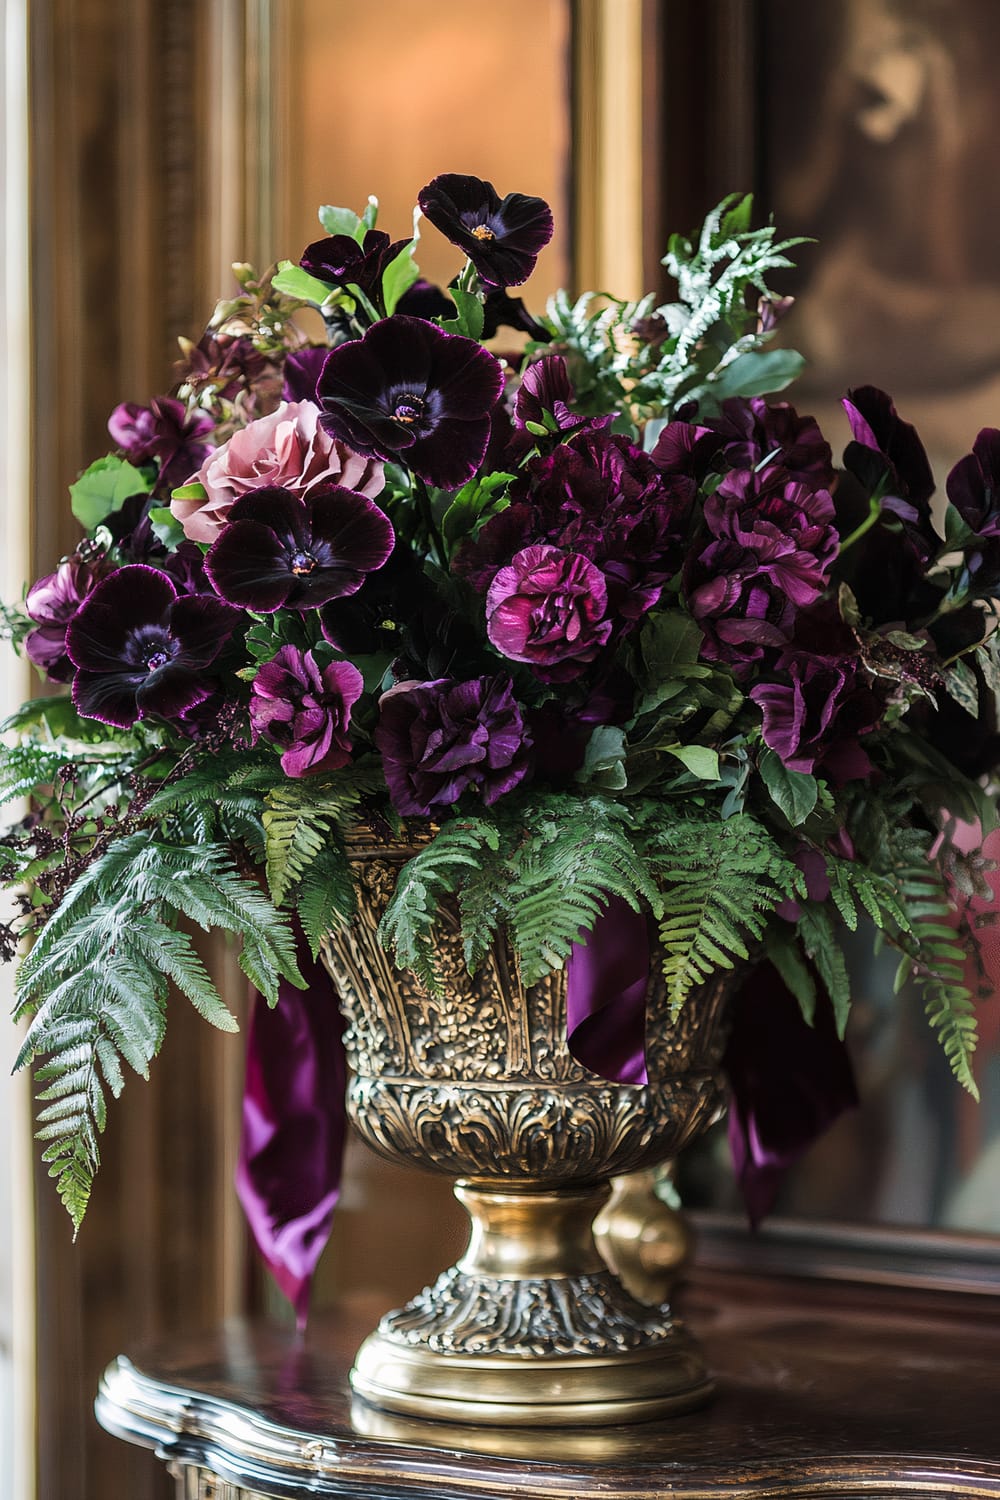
(325, 899)
(821, 940)
(301, 817)
(719, 881)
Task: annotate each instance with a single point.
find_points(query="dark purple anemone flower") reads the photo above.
(425, 300)
(135, 541)
(140, 648)
(165, 430)
(501, 311)
(302, 370)
(547, 608)
(52, 603)
(441, 739)
(282, 551)
(306, 709)
(341, 260)
(887, 451)
(501, 236)
(412, 394)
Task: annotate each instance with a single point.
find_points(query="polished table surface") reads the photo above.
(822, 1389)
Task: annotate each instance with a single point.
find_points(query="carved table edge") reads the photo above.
(245, 1449)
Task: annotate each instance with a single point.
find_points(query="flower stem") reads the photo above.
(435, 540)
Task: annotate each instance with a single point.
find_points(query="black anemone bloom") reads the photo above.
(141, 648)
(413, 394)
(341, 260)
(501, 236)
(280, 551)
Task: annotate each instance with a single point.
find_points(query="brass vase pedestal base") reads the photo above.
(530, 1328)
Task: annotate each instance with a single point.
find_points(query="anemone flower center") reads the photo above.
(302, 563)
(408, 409)
(483, 232)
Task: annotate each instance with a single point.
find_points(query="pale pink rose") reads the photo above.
(287, 449)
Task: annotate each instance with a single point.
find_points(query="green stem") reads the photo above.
(874, 512)
(434, 537)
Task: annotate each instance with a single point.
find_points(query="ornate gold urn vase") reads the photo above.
(530, 1326)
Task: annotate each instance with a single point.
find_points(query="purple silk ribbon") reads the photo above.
(294, 1125)
(788, 1081)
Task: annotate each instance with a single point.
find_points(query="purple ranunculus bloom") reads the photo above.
(773, 543)
(306, 709)
(284, 551)
(441, 739)
(751, 431)
(302, 370)
(165, 430)
(820, 700)
(141, 648)
(341, 260)
(411, 393)
(52, 603)
(501, 236)
(547, 608)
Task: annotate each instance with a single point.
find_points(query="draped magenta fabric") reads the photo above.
(606, 982)
(294, 1123)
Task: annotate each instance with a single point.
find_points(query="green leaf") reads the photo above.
(292, 281)
(960, 681)
(794, 792)
(604, 759)
(472, 506)
(343, 221)
(758, 373)
(398, 276)
(469, 318)
(786, 955)
(700, 760)
(822, 942)
(103, 489)
(166, 528)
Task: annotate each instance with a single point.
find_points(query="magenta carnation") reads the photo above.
(547, 608)
(306, 709)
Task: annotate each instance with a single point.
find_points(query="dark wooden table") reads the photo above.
(822, 1390)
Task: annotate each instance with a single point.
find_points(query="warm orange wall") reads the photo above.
(388, 93)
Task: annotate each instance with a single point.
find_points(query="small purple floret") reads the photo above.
(306, 709)
(165, 430)
(441, 739)
(140, 648)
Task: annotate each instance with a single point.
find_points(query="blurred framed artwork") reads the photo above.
(871, 128)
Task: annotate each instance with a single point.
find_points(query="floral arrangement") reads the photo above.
(596, 620)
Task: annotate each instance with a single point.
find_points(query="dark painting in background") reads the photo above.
(873, 128)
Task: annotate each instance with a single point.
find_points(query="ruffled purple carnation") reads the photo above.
(501, 236)
(141, 648)
(410, 393)
(772, 546)
(52, 603)
(600, 496)
(751, 431)
(441, 739)
(164, 430)
(284, 551)
(821, 701)
(306, 709)
(547, 608)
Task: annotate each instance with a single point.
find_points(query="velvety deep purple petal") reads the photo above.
(876, 424)
(98, 635)
(282, 510)
(202, 625)
(246, 565)
(354, 528)
(107, 697)
(302, 370)
(974, 484)
(170, 692)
